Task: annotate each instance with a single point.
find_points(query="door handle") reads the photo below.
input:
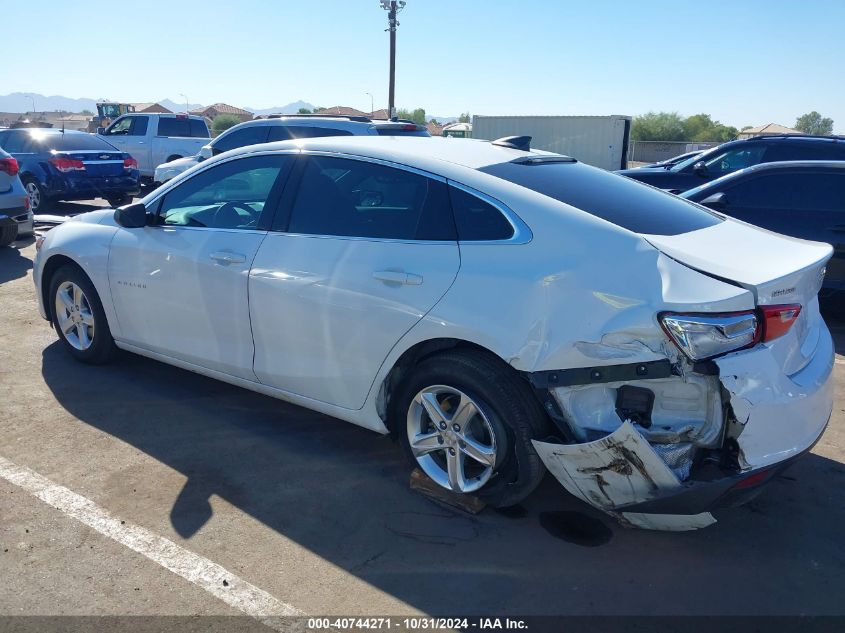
(397, 277)
(228, 258)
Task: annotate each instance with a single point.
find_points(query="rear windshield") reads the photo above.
(72, 142)
(623, 201)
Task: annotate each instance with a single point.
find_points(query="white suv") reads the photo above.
(284, 128)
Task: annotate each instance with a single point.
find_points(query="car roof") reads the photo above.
(423, 152)
(797, 165)
(337, 122)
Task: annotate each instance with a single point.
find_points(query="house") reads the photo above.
(150, 107)
(770, 129)
(435, 129)
(209, 112)
(379, 114)
(342, 110)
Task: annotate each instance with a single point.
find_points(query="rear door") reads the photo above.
(363, 252)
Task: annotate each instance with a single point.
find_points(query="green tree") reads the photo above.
(223, 122)
(465, 117)
(814, 123)
(658, 126)
(417, 116)
(304, 111)
(87, 113)
(434, 122)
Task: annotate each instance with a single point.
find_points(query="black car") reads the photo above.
(803, 199)
(735, 155)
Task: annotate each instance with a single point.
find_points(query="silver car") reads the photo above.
(284, 128)
(15, 214)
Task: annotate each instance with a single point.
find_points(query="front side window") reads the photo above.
(353, 198)
(249, 135)
(228, 196)
(733, 159)
(121, 127)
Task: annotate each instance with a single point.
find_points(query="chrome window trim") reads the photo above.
(521, 231)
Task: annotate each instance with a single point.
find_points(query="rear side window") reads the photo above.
(198, 128)
(14, 142)
(139, 126)
(805, 150)
(354, 198)
(477, 220)
(398, 131)
(795, 191)
(307, 131)
(171, 126)
(617, 199)
(249, 135)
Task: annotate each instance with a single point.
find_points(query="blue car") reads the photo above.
(70, 165)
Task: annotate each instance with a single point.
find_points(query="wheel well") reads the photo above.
(50, 267)
(411, 357)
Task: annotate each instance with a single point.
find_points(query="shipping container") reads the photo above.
(601, 141)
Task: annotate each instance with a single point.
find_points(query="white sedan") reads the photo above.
(501, 311)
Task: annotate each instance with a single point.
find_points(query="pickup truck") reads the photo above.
(153, 139)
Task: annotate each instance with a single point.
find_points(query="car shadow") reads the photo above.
(342, 492)
(13, 265)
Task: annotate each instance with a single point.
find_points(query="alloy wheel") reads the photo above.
(451, 438)
(74, 316)
(34, 194)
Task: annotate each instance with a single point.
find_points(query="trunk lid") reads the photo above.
(98, 163)
(776, 269)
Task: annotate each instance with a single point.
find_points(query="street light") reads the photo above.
(372, 107)
(186, 102)
(392, 7)
(32, 98)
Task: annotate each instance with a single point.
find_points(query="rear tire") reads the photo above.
(491, 449)
(37, 196)
(8, 234)
(78, 316)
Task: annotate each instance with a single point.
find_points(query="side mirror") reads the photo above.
(205, 152)
(700, 169)
(717, 202)
(131, 216)
(101, 131)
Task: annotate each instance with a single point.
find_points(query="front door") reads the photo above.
(180, 286)
(367, 251)
(129, 134)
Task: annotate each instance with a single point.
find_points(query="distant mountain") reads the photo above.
(21, 102)
(177, 106)
(291, 108)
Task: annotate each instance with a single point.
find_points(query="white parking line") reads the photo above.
(216, 580)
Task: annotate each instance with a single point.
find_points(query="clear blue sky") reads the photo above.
(745, 62)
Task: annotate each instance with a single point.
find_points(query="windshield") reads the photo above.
(72, 142)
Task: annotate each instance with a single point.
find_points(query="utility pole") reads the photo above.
(392, 7)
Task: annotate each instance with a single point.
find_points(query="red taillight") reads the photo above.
(778, 319)
(409, 127)
(130, 163)
(9, 166)
(65, 165)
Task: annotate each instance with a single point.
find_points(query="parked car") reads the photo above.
(496, 309)
(671, 162)
(70, 165)
(283, 128)
(804, 199)
(154, 138)
(735, 155)
(15, 216)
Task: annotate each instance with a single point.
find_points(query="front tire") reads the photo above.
(467, 420)
(78, 316)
